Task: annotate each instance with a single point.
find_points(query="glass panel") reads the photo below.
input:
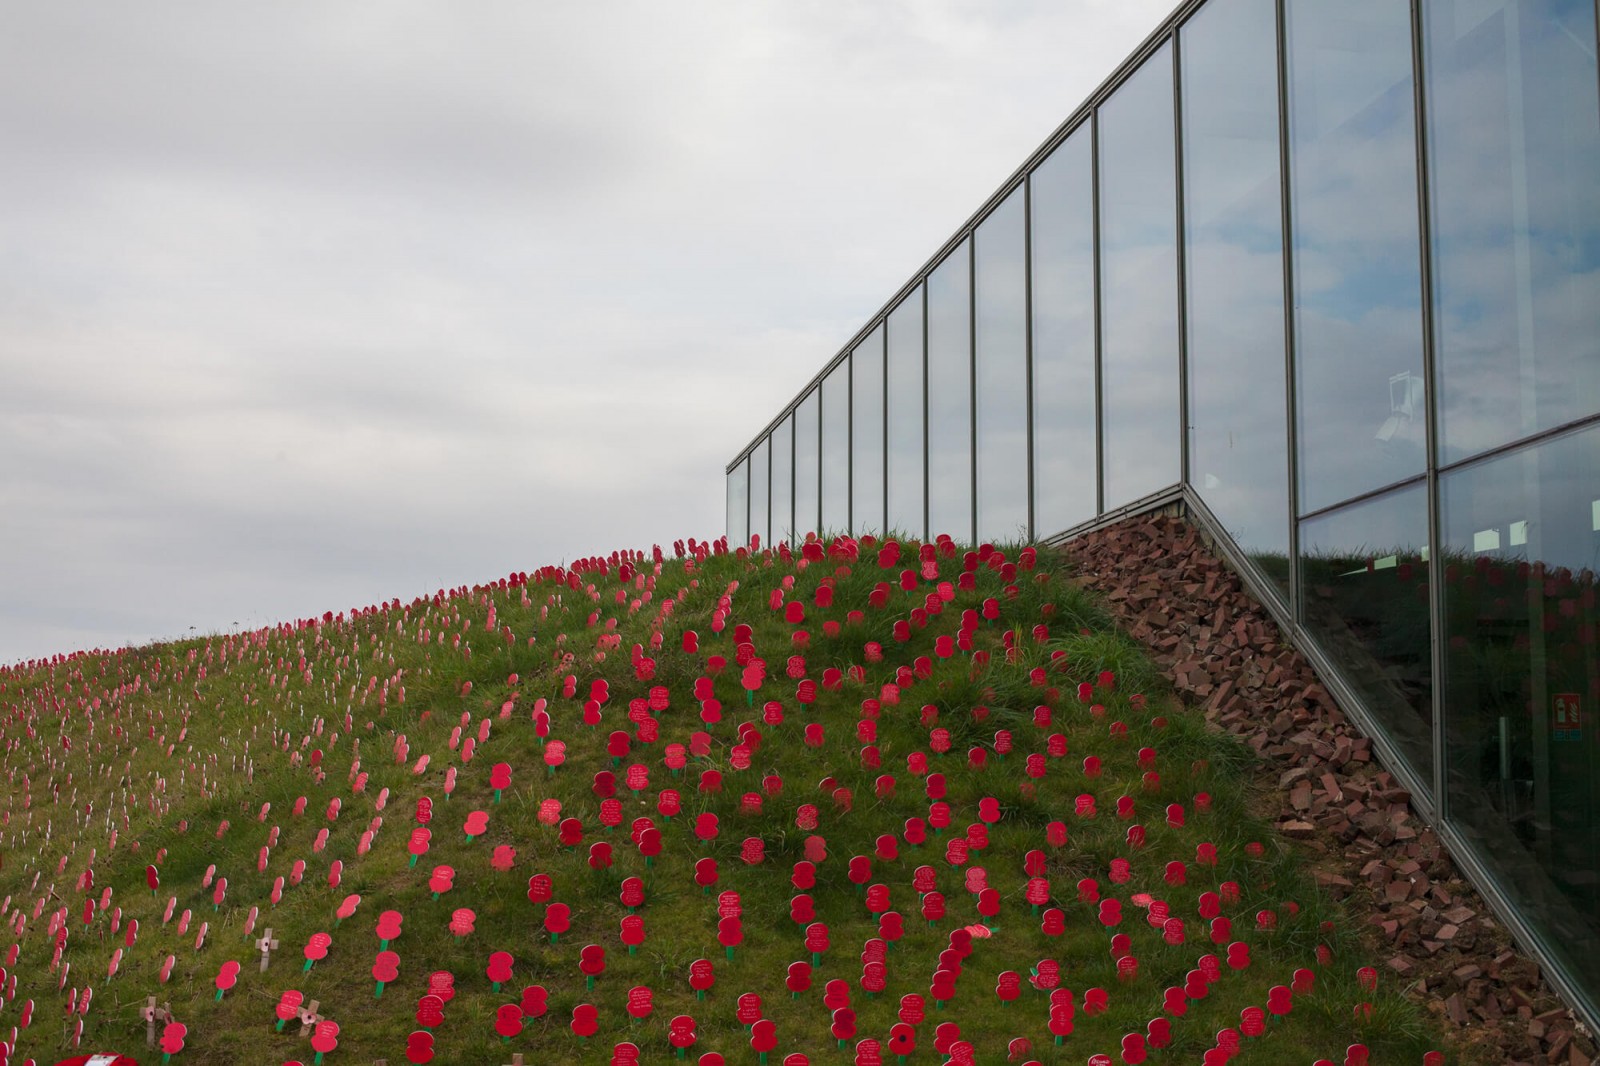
(1522, 680)
(1001, 294)
(905, 416)
(783, 481)
(1139, 280)
(739, 505)
(866, 441)
(836, 449)
(950, 398)
(1364, 596)
(806, 484)
(759, 525)
(1238, 429)
(1064, 436)
(1515, 146)
(1358, 288)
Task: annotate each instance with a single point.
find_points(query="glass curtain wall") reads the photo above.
(1065, 431)
(866, 435)
(950, 396)
(1000, 296)
(1233, 244)
(1139, 285)
(905, 428)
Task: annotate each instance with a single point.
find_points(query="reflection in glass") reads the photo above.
(807, 488)
(739, 505)
(1514, 140)
(950, 397)
(905, 416)
(758, 493)
(1064, 439)
(1238, 436)
(1139, 285)
(1358, 287)
(1522, 679)
(1000, 292)
(783, 481)
(1364, 596)
(866, 440)
(836, 449)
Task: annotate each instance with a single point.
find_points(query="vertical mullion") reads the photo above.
(972, 377)
(1286, 221)
(1027, 340)
(927, 516)
(1431, 392)
(1099, 296)
(1178, 229)
(850, 444)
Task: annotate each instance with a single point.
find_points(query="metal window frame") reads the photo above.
(1027, 340)
(1291, 334)
(1181, 240)
(1099, 313)
(972, 378)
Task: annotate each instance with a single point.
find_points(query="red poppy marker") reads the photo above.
(385, 968)
(316, 949)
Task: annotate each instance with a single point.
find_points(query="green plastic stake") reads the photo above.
(378, 992)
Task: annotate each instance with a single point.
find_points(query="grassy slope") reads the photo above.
(253, 716)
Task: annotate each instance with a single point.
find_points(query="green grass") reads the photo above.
(254, 701)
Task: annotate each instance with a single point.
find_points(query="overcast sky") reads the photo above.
(304, 306)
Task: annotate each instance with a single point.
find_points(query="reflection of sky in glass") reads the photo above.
(905, 416)
(1000, 293)
(1363, 584)
(739, 504)
(1521, 647)
(1515, 150)
(1238, 458)
(1353, 182)
(806, 485)
(1064, 438)
(866, 441)
(836, 448)
(783, 480)
(758, 492)
(950, 397)
(1139, 283)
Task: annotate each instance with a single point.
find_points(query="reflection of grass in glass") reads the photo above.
(1369, 607)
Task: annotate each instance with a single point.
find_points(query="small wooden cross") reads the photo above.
(516, 1060)
(309, 1017)
(266, 945)
(151, 1015)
